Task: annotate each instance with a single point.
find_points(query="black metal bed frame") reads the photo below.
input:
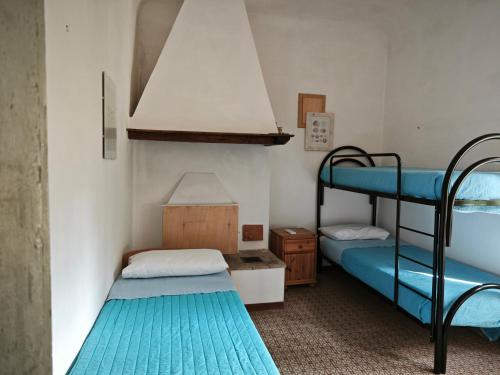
(443, 220)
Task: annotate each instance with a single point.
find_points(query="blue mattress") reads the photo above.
(375, 267)
(204, 333)
(419, 183)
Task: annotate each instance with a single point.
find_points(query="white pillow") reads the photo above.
(354, 232)
(160, 263)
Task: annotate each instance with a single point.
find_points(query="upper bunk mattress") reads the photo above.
(373, 263)
(200, 333)
(418, 183)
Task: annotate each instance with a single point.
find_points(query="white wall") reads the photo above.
(89, 197)
(443, 89)
(336, 48)
(159, 166)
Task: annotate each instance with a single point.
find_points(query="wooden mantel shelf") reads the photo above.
(270, 139)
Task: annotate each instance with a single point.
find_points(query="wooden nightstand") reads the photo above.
(298, 251)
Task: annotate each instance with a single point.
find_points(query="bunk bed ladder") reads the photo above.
(397, 248)
(432, 267)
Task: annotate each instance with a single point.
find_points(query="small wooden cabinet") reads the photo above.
(298, 251)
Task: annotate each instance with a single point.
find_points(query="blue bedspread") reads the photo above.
(375, 267)
(209, 333)
(420, 183)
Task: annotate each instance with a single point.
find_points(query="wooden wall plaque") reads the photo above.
(253, 232)
(201, 227)
(309, 103)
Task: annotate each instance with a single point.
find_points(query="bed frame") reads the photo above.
(443, 219)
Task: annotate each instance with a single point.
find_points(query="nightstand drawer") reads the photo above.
(300, 246)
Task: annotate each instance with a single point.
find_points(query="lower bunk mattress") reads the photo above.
(195, 333)
(372, 261)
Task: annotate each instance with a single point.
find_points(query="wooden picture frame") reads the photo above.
(252, 232)
(309, 103)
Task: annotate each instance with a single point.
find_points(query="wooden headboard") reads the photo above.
(197, 227)
(201, 227)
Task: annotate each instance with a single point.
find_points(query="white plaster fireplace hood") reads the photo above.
(207, 85)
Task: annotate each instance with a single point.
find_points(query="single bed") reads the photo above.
(420, 183)
(174, 325)
(372, 261)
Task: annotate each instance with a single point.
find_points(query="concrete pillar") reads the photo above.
(25, 327)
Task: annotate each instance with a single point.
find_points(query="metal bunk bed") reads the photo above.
(443, 219)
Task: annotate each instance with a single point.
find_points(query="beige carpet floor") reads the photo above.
(342, 327)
